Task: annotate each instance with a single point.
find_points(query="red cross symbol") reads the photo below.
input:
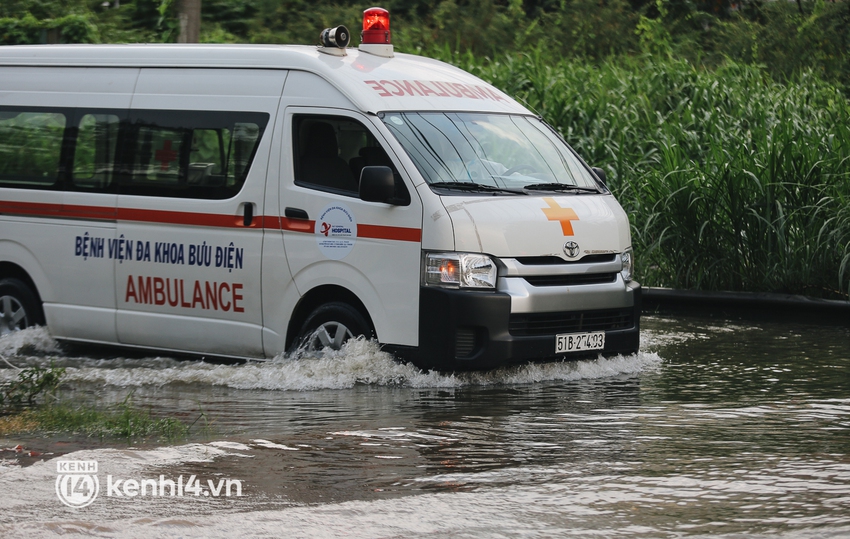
(165, 156)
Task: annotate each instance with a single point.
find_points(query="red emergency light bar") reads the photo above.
(376, 27)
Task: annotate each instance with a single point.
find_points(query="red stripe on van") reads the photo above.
(105, 213)
(109, 213)
(38, 209)
(31, 208)
(89, 212)
(186, 218)
(297, 225)
(379, 232)
(389, 233)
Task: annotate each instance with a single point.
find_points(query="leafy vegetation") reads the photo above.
(785, 37)
(723, 128)
(124, 421)
(21, 411)
(31, 383)
(732, 181)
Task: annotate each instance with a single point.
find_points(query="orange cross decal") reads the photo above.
(556, 213)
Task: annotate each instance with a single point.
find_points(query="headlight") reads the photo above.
(460, 270)
(628, 264)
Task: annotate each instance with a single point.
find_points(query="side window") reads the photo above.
(30, 148)
(189, 154)
(94, 152)
(330, 152)
(207, 156)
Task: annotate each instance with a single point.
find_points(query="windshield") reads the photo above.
(495, 150)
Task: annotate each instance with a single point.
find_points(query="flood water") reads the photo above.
(718, 428)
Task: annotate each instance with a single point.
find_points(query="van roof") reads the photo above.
(373, 83)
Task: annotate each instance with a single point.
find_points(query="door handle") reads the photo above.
(248, 216)
(295, 213)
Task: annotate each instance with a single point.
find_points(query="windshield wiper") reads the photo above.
(472, 186)
(560, 187)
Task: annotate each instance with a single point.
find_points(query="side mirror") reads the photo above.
(377, 184)
(599, 173)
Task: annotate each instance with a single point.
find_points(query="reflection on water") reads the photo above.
(718, 428)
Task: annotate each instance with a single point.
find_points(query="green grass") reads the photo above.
(122, 421)
(732, 181)
(31, 384)
(127, 423)
(20, 412)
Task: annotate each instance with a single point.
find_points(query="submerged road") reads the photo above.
(719, 427)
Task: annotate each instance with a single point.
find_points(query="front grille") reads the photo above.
(554, 260)
(534, 324)
(571, 280)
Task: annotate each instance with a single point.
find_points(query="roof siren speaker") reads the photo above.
(334, 40)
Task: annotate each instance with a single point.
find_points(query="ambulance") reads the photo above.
(242, 202)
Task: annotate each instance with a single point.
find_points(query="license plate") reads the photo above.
(578, 342)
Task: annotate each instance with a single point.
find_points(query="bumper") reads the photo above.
(468, 330)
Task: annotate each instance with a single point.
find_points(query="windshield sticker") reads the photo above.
(336, 231)
(399, 88)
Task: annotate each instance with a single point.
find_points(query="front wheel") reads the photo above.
(330, 326)
(19, 306)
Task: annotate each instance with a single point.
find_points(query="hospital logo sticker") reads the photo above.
(336, 231)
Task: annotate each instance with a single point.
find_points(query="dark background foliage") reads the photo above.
(723, 126)
(786, 37)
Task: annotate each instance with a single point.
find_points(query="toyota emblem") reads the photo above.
(571, 249)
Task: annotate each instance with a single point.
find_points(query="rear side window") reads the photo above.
(94, 152)
(31, 148)
(168, 153)
(197, 154)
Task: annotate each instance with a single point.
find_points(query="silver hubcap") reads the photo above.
(12, 315)
(329, 335)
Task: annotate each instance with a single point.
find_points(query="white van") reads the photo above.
(241, 201)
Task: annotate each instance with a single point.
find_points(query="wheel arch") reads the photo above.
(316, 297)
(14, 271)
(23, 290)
(19, 262)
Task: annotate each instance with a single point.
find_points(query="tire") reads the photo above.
(19, 306)
(329, 326)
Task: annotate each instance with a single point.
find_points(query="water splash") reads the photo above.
(35, 341)
(359, 362)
